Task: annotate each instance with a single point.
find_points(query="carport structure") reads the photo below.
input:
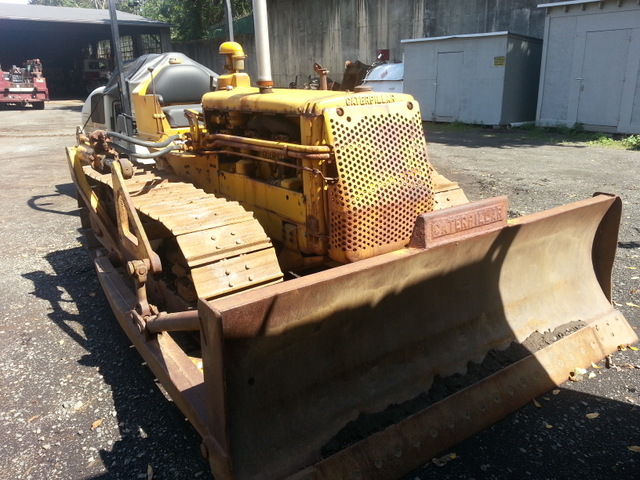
(66, 39)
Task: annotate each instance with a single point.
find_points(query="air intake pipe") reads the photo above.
(261, 24)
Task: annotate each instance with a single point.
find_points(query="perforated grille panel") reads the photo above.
(384, 178)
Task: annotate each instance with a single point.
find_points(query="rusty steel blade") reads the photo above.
(303, 359)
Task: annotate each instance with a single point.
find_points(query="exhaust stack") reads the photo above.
(261, 25)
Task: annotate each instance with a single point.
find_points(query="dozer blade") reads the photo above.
(369, 370)
(295, 372)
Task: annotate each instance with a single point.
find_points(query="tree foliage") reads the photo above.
(190, 19)
(193, 19)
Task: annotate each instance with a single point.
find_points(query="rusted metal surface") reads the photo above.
(186, 321)
(605, 245)
(353, 75)
(177, 373)
(101, 153)
(409, 443)
(103, 227)
(385, 327)
(322, 74)
(459, 222)
(132, 237)
(288, 366)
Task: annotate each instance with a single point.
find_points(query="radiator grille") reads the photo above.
(384, 178)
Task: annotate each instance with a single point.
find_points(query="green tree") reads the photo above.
(193, 19)
(190, 19)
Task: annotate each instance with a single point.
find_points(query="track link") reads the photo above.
(225, 248)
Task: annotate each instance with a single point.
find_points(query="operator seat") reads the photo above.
(180, 87)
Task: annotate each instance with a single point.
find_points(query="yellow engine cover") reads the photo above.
(384, 179)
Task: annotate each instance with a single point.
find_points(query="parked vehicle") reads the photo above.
(24, 85)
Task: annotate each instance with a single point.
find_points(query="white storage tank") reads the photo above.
(385, 78)
(488, 78)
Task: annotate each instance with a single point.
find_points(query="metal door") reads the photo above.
(448, 81)
(602, 77)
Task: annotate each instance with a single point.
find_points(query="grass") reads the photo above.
(608, 140)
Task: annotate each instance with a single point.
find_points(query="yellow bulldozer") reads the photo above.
(300, 278)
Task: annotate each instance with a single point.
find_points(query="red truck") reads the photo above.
(24, 85)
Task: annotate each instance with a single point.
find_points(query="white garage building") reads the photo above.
(590, 73)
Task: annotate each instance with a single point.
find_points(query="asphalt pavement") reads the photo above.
(77, 402)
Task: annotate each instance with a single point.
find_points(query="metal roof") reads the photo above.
(447, 37)
(42, 13)
(566, 4)
(470, 35)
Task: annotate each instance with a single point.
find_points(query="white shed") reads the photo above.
(590, 71)
(488, 78)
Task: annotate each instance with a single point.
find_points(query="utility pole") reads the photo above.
(115, 40)
(230, 20)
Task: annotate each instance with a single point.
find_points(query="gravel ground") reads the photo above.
(76, 401)
(553, 438)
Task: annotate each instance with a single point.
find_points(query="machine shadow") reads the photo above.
(151, 429)
(45, 203)
(71, 108)
(479, 136)
(629, 245)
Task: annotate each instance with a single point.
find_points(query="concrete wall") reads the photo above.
(332, 31)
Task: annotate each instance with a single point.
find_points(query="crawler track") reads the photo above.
(213, 246)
